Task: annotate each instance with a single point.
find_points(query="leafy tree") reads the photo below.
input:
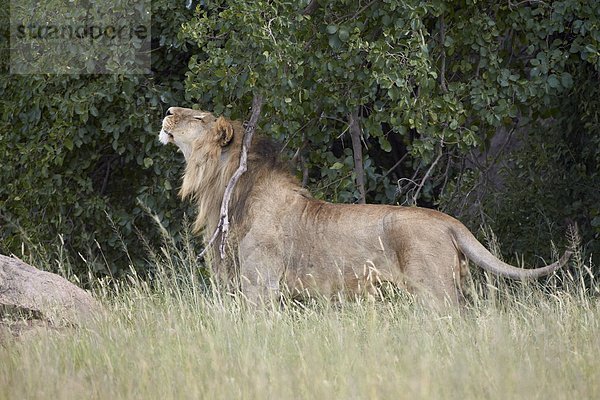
(80, 156)
(388, 101)
(431, 82)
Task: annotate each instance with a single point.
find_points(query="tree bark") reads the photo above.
(311, 7)
(44, 294)
(443, 56)
(359, 172)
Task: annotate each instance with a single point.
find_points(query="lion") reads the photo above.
(283, 238)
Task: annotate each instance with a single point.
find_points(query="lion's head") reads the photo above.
(211, 148)
(183, 126)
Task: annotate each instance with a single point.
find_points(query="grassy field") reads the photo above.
(171, 340)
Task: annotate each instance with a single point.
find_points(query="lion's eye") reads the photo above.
(199, 118)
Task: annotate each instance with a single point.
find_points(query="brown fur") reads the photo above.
(284, 238)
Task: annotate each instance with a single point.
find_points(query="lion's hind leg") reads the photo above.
(436, 281)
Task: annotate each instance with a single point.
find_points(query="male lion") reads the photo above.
(284, 238)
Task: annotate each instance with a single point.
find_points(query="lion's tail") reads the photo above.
(478, 254)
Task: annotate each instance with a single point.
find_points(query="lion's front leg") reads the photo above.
(261, 270)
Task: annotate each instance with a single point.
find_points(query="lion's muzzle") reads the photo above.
(165, 137)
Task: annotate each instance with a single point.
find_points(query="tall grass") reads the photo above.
(171, 338)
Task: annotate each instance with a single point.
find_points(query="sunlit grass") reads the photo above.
(171, 338)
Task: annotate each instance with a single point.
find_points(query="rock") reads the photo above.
(42, 295)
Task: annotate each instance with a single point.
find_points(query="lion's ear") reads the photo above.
(223, 131)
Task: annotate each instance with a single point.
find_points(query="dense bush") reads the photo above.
(553, 179)
(432, 84)
(80, 154)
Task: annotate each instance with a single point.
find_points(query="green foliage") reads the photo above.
(555, 181)
(434, 81)
(67, 37)
(80, 154)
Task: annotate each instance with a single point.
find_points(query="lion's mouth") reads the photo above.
(165, 137)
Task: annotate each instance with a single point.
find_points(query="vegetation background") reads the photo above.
(486, 110)
(489, 111)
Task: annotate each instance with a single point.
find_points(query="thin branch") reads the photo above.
(411, 181)
(257, 103)
(395, 165)
(429, 171)
(512, 5)
(223, 226)
(304, 171)
(369, 4)
(106, 176)
(443, 61)
(212, 239)
(301, 129)
(311, 7)
(447, 173)
(355, 134)
(357, 13)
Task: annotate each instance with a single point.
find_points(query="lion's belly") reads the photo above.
(330, 273)
(331, 251)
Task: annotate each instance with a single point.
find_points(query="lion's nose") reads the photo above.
(169, 111)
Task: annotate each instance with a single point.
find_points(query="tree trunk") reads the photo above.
(359, 171)
(311, 7)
